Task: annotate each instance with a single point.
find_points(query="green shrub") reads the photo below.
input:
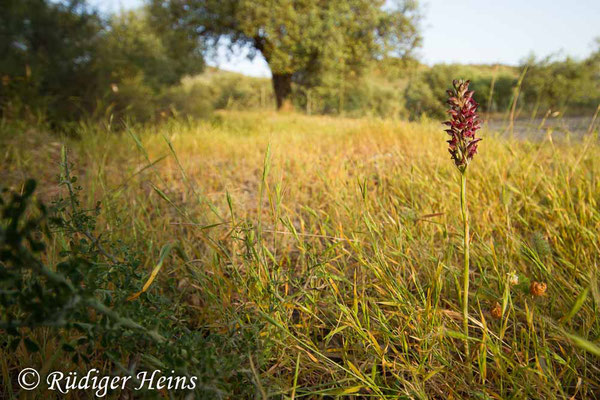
(194, 100)
(130, 99)
(562, 84)
(81, 304)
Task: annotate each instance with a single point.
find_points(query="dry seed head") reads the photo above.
(538, 288)
(496, 311)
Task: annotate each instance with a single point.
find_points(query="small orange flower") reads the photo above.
(538, 288)
(496, 311)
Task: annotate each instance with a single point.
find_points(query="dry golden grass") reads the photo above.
(338, 241)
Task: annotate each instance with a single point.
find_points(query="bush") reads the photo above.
(194, 99)
(421, 100)
(562, 85)
(236, 91)
(63, 60)
(81, 304)
(47, 57)
(130, 100)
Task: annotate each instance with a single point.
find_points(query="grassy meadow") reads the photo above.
(325, 253)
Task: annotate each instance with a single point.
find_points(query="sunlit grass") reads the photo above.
(339, 240)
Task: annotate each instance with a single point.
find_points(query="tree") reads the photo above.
(47, 48)
(63, 59)
(301, 40)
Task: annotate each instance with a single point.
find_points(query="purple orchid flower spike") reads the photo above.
(463, 123)
(462, 145)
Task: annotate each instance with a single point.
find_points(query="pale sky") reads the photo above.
(473, 31)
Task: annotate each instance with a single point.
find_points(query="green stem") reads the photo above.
(465, 217)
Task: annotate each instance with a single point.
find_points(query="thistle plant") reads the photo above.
(462, 145)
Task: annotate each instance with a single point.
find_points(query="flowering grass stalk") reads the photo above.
(462, 145)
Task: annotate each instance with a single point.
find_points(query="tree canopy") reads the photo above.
(64, 58)
(46, 48)
(301, 40)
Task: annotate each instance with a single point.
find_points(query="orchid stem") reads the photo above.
(465, 217)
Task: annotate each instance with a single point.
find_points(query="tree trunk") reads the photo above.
(282, 85)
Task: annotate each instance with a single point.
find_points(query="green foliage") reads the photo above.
(64, 63)
(236, 91)
(130, 48)
(47, 56)
(64, 60)
(198, 96)
(192, 100)
(83, 299)
(302, 41)
(562, 84)
(421, 99)
(425, 97)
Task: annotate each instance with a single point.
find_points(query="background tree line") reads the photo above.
(62, 62)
